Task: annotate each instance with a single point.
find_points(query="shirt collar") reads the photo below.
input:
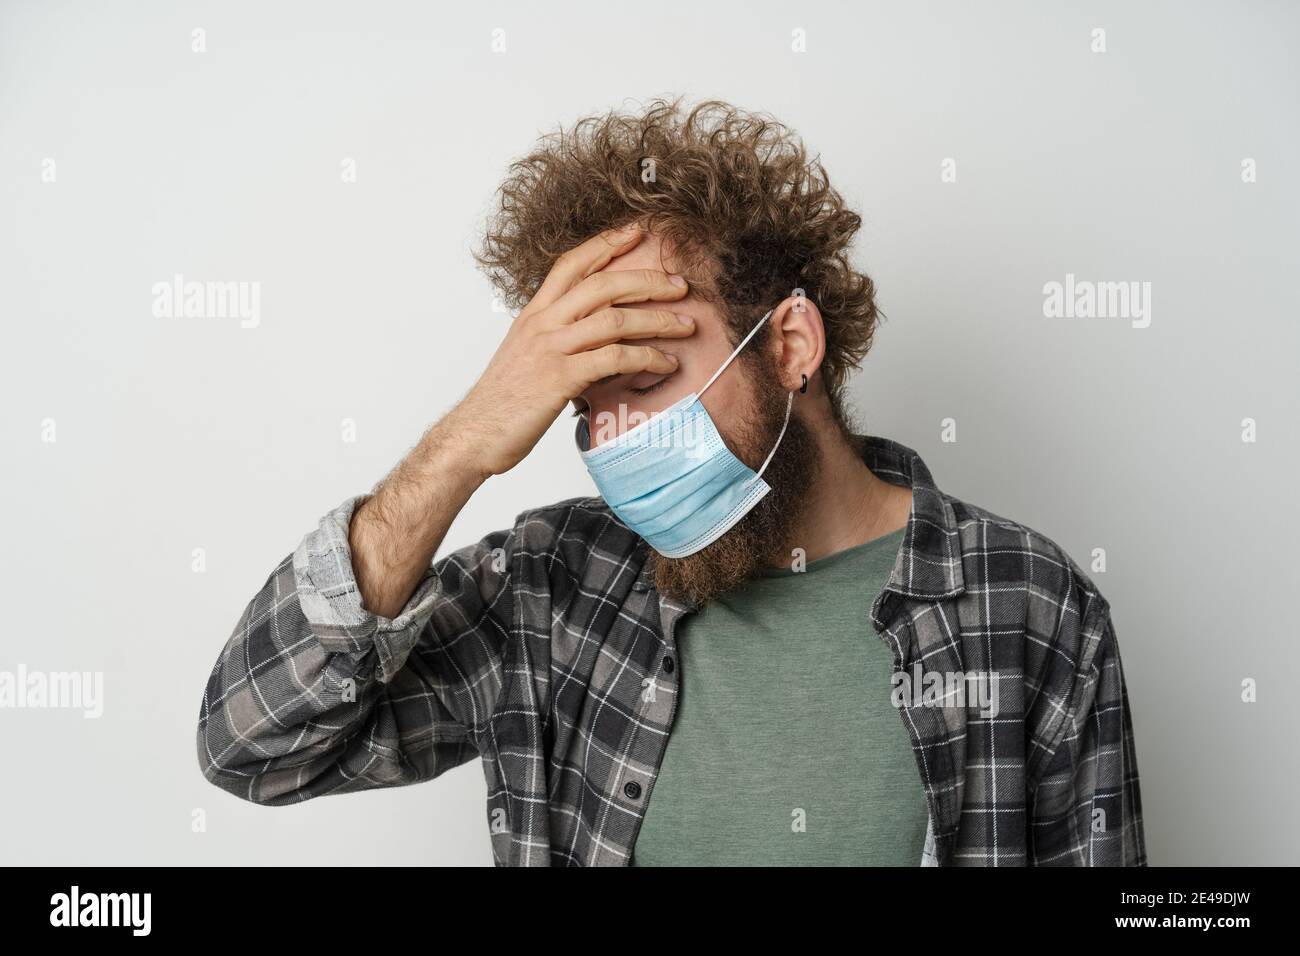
(929, 560)
(928, 566)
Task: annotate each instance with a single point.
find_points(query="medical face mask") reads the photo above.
(672, 479)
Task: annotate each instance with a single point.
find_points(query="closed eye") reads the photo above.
(650, 388)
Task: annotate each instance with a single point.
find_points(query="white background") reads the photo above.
(176, 434)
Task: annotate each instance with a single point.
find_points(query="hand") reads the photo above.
(563, 341)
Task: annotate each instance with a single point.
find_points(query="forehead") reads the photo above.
(653, 253)
(650, 253)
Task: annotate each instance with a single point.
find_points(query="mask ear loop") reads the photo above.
(789, 402)
(743, 342)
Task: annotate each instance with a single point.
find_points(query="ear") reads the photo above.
(799, 338)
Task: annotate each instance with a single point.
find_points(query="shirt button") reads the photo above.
(668, 665)
(632, 789)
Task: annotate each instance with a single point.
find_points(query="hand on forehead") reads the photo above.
(693, 352)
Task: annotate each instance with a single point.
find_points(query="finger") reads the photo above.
(582, 260)
(604, 289)
(620, 360)
(607, 326)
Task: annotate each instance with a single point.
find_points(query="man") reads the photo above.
(769, 641)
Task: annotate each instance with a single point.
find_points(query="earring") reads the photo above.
(803, 389)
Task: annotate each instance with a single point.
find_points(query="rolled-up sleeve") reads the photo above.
(313, 694)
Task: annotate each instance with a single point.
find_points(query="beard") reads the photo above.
(760, 539)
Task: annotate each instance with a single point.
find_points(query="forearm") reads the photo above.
(396, 532)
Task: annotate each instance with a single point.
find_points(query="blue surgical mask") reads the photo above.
(672, 479)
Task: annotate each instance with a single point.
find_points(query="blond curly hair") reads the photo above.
(732, 193)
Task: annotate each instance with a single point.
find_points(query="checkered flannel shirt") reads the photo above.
(533, 648)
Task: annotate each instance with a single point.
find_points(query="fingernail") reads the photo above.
(684, 319)
(677, 280)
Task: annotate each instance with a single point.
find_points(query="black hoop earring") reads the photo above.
(803, 389)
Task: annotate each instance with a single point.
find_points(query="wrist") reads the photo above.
(456, 458)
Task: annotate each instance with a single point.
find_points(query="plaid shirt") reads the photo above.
(546, 650)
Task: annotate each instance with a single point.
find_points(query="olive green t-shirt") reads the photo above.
(785, 748)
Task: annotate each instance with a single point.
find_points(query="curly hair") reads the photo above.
(733, 194)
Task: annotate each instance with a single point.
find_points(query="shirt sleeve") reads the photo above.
(313, 694)
(1086, 809)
